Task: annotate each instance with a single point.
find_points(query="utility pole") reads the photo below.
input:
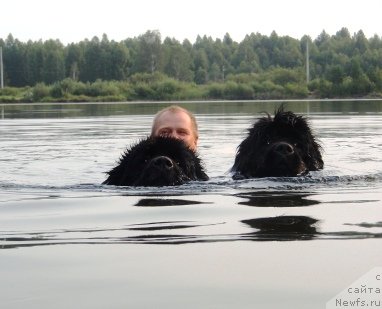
(1, 69)
(307, 63)
(152, 63)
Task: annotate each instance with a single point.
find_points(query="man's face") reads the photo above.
(177, 125)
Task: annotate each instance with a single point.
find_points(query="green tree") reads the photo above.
(91, 69)
(177, 61)
(149, 55)
(34, 62)
(361, 43)
(53, 62)
(74, 59)
(245, 59)
(201, 65)
(117, 59)
(14, 62)
(336, 74)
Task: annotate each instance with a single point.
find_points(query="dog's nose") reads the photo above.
(163, 162)
(284, 148)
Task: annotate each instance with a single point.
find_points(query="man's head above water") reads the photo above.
(176, 122)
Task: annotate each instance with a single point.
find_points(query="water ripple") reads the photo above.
(281, 228)
(217, 184)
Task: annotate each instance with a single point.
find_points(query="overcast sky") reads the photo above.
(75, 20)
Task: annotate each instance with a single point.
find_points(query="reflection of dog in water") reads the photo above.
(280, 146)
(277, 199)
(282, 228)
(158, 202)
(157, 161)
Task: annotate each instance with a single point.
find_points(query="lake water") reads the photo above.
(66, 241)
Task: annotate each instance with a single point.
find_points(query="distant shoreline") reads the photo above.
(147, 68)
(194, 101)
(158, 87)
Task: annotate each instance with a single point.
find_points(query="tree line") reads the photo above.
(147, 67)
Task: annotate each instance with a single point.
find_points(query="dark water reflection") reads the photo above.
(157, 202)
(64, 110)
(279, 199)
(283, 228)
(279, 228)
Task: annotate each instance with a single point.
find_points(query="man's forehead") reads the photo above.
(175, 116)
(170, 112)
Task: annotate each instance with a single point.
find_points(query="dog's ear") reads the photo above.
(280, 109)
(199, 167)
(242, 155)
(316, 157)
(245, 159)
(118, 176)
(201, 175)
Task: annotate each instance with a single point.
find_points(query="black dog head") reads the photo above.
(157, 161)
(280, 146)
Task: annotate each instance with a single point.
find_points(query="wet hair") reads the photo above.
(176, 109)
(279, 146)
(157, 161)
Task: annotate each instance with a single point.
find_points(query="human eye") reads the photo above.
(164, 132)
(183, 132)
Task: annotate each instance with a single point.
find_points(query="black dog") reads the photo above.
(280, 146)
(158, 161)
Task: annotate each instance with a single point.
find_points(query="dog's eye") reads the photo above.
(267, 140)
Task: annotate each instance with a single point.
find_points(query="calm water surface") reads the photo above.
(68, 242)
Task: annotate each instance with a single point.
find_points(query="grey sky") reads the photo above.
(75, 20)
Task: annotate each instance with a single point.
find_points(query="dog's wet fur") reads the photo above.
(278, 146)
(157, 161)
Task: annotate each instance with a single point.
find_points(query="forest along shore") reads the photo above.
(147, 68)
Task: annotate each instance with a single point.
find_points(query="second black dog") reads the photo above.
(280, 146)
(158, 161)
